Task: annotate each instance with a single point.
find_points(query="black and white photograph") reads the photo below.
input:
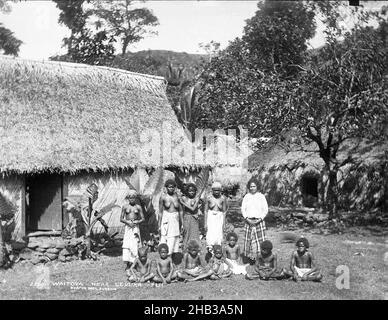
(193, 150)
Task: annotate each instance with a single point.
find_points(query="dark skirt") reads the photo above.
(190, 229)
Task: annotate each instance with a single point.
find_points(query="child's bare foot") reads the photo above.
(248, 277)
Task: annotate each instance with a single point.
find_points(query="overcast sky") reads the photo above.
(183, 25)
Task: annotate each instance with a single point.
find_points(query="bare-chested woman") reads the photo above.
(215, 209)
(191, 204)
(170, 221)
(131, 216)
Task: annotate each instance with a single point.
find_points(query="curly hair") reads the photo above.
(252, 180)
(304, 241)
(231, 234)
(191, 185)
(217, 247)
(170, 182)
(192, 244)
(142, 251)
(162, 246)
(266, 245)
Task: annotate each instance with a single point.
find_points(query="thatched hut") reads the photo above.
(64, 126)
(290, 175)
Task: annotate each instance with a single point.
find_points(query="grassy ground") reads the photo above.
(105, 278)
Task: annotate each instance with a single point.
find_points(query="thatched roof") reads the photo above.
(68, 117)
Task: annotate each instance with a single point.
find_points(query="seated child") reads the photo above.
(193, 264)
(220, 266)
(233, 254)
(140, 270)
(164, 266)
(266, 264)
(302, 263)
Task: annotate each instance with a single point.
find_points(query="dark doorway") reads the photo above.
(309, 186)
(44, 202)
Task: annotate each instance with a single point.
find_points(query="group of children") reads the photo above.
(223, 263)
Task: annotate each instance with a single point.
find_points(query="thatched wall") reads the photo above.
(362, 185)
(11, 206)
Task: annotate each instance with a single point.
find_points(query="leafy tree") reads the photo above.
(341, 95)
(83, 45)
(276, 36)
(74, 17)
(123, 21)
(9, 44)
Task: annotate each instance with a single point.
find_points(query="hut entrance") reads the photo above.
(44, 202)
(309, 186)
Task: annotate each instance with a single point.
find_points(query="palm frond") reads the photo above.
(153, 190)
(202, 180)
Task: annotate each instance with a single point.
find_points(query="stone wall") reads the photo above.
(43, 249)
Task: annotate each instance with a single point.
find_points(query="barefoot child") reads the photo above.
(215, 209)
(302, 263)
(220, 266)
(266, 264)
(193, 264)
(131, 216)
(140, 270)
(170, 221)
(164, 266)
(233, 254)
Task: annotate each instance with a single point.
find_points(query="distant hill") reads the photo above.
(156, 62)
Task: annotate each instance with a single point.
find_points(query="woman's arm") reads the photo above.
(138, 221)
(263, 206)
(161, 211)
(186, 205)
(122, 217)
(206, 210)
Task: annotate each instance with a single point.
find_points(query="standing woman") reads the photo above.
(254, 208)
(191, 204)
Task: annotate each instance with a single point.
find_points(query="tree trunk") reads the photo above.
(330, 191)
(125, 46)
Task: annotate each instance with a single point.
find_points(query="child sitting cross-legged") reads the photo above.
(193, 264)
(165, 272)
(266, 264)
(220, 266)
(303, 264)
(233, 254)
(140, 270)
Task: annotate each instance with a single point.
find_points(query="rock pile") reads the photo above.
(43, 249)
